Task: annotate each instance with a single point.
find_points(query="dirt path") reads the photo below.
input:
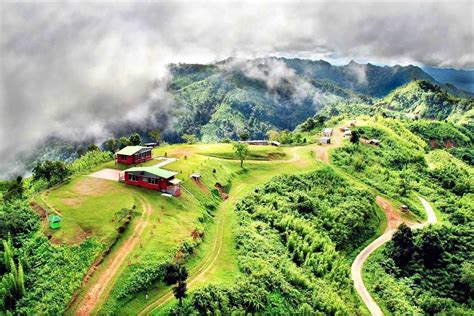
(95, 291)
(394, 221)
(322, 151)
(195, 275)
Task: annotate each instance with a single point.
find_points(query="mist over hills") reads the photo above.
(220, 100)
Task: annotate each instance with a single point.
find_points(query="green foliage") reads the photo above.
(14, 191)
(403, 246)
(241, 150)
(17, 220)
(427, 100)
(155, 135)
(141, 278)
(111, 145)
(52, 274)
(90, 160)
(177, 274)
(189, 139)
(135, 139)
(441, 134)
(293, 238)
(244, 136)
(451, 173)
(355, 137)
(53, 172)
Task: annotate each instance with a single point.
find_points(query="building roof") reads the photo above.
(130, 150)
(327, 130)
(154, 170)
(54, 218)
(325, 138)
(175, 181)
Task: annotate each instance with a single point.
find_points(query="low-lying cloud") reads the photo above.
(80, 71)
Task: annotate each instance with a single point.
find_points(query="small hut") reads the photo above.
(325, 140)
(404, 208)
(195, 176)
(54, 221)
(327, 132)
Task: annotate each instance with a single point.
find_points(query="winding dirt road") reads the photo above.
(95, 291)
(394, 221)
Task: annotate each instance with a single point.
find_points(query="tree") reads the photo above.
(355, 137)
(403, 246)
(52, 171)
(273, 135)
(241, 151)
(15, 191)
(135, 139)
(189, 138)
(156, 135)
(92, 147)
(177, 274)
(286, 137)
(244, 136)
(431, 247)
(111, 145)
(123, 142)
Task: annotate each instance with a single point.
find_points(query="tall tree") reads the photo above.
(355, 137)
(403, 246)
(135, 139)
(241, 151)
(156, 135)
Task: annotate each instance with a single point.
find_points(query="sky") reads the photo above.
(81, 69)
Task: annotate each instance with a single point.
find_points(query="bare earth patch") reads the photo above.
(107, 174)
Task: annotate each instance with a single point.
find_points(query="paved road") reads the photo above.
(393, 223)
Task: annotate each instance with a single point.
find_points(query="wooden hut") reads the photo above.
(325, 140)
(131, 155)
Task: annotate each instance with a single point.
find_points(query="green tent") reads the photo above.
(54, 221)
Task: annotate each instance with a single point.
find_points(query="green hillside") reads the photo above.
(424, 99)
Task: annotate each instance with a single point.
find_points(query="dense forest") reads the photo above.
(427, 270)
(294, 241)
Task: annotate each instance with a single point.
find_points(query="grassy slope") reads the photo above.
(173, 219)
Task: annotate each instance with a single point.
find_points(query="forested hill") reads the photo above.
(427, 100)
(221, 100)
(419, 99)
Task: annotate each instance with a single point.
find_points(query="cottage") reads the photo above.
(347, 133)
(327, 132)
(195, 176)
(54, 221)
(255, 142)
(153, 178)
(404, 208)
(151, 144)
(131, 155)
(325, 140)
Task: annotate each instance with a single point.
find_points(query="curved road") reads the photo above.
(393, 223)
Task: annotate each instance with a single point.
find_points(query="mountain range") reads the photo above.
(218, 101)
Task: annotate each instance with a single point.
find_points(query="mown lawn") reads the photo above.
(87, 206)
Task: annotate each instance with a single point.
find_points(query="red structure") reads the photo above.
(131, 155)
(153, 178)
